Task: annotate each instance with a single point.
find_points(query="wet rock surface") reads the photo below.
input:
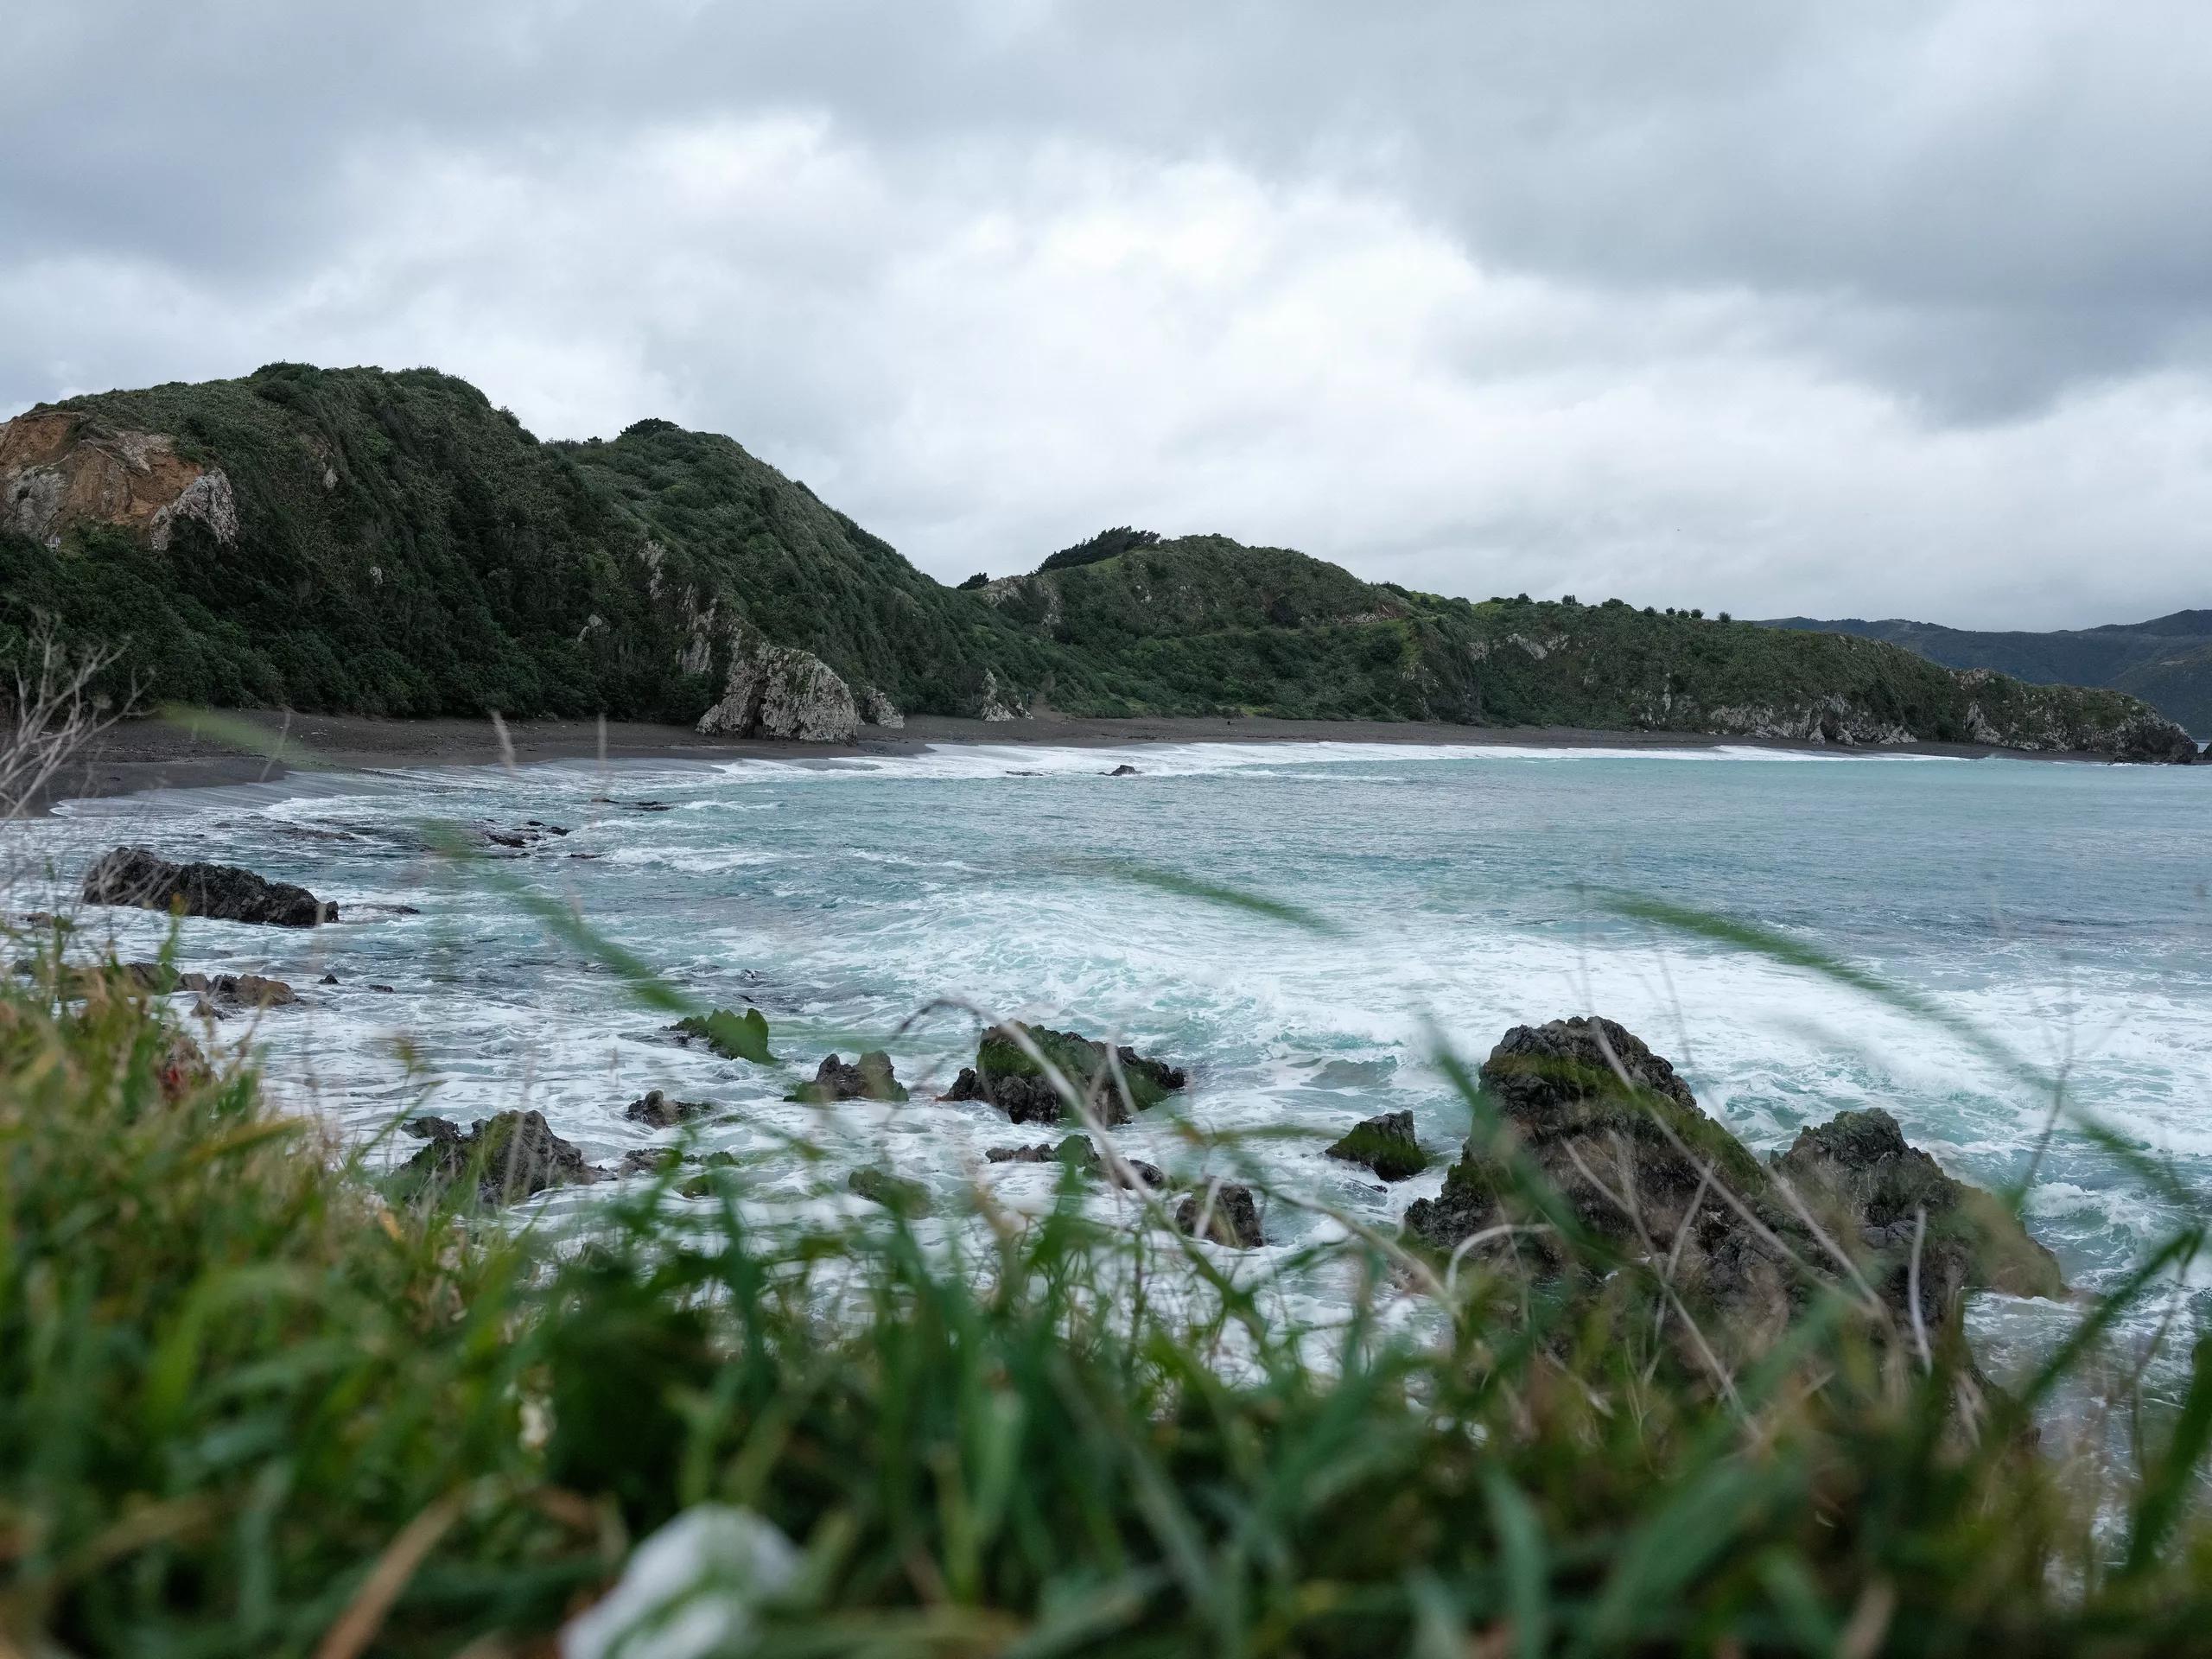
(895, 1193)
(1225, 1215)
(868, 1077)
(137, 876)
(1006, 1076)
(1386, 1145)
(661, 1111)
(1077, 1151)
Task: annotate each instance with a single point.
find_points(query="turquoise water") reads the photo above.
(2061, 909)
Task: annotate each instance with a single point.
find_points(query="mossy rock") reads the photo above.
(732, 1035)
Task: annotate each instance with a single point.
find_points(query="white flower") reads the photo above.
(689, 1590)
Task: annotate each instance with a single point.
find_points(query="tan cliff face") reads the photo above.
(58, 471)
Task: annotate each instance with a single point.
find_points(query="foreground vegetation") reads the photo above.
(391, 544)
(248, 1406)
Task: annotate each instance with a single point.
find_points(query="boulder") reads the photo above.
(655, 1110)
(881, 711)
(136, 876)
(1386, 1145)
(868, 1077)
(1076, 1150)
(650, 1161)
(780, 691)
(1225, 1215)
(733, 1036)
(1123, 771)
(507, 1156)
(1004, 1075)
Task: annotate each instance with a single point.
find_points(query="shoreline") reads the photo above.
(150, 754)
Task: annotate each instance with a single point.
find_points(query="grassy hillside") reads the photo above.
(2167, 661)
(358, 541)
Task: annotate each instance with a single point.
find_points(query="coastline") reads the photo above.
(150, 755)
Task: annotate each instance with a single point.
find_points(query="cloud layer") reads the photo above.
(1879, 310)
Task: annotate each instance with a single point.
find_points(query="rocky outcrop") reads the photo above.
(1226, 1214)
(868, 1077)
(136, 876)
(1077, 1151)
(1861, 1178)
(508, 1156)
(879, 710)
(1005, 1076)
(1590, 1116)
(781, 691)
(993, 705)
(59, 470)
(1386, 1145)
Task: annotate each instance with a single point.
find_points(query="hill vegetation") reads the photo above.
(389, 543)
(2167, 661)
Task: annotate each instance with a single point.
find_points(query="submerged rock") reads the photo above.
(895, 1193)
(868, 1077)
(650, 1161)
(1077, 1151)
(1124, 771)
(507, 1156)
(656, 1109)
(1005, 1077)
(1225, 1215)
(137, 876)
(1386, 1145)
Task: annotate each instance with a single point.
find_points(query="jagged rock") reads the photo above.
(868, 1077)
(507, 1156)
(1226, 1215)
(134, 875)
(895, 1193)
(328, 979)
(650, 1161)
(781, 691)
(1386, 1145)
(881, 711)
(657, 1110)
(1124, 771)
(733, 1036)
(991, 706)
(1861, 1177)
(1590, 1109)
(1005, 1077)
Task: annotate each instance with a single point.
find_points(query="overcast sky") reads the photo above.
(1862, 309)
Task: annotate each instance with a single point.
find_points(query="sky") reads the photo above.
(1876, 309)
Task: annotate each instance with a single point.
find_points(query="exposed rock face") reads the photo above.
(881, 711)
(134, 875)
(1007, 1078)
(993, 705)
(508, 1156)
(1597, 1140)
(657, 1110)
(58, 469)
(780, 691)
(1859, 1176)
(1226, 1215)
(1386, 1145)
(868, 1077)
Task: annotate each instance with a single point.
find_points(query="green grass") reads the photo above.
(246, 1408)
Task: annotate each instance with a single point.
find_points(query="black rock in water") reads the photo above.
(136, 876)
(1124, 771)
(1226, 1214)
(508, 1156)
(656, 1109)
(895, 1193)
(1386, 1145)
(868, 1077)
(1077, 1151)
(1007, 1078)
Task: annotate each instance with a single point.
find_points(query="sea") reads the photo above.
(2012, 956)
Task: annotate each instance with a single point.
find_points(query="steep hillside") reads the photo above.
(1180, 627)
(2167, 661)
(390, 543)
(354, 540)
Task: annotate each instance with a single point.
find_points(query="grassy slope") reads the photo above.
(2166, 661)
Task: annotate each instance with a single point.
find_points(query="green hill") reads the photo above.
(359, 541)
(2167, 661)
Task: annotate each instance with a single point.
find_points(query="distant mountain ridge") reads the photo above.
(2167, 661)
(351, 540)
